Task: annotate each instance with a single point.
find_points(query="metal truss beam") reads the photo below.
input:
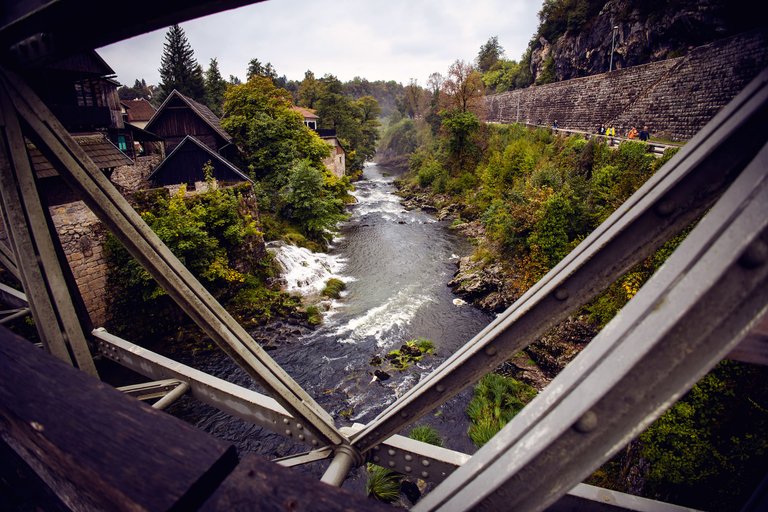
(44, 271)
(114, 211)
(673, 198)
(682, 322)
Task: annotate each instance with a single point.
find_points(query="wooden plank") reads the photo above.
(96, 448)
(45, 273)
(258, 484)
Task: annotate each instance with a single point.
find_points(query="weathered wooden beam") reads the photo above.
(44, 272)
(34, 30)
(114, 211)
(257, 484)
(96, 448)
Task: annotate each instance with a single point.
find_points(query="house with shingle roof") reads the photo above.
(180, 116)
(186, 163)
(138, 112)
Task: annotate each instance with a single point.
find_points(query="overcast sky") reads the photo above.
(374, 39)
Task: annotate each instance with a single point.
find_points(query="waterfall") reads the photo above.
(304, 271)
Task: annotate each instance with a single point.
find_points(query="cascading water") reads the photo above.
(396, 264)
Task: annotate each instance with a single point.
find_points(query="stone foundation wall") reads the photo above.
(134, 177)
(674, 97)
(82, 238)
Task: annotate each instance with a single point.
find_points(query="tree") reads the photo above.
(309, 90)
(139, 90)
(463, 88)
(309, 203)
(215, 86)
(256, 68)
(178, 68)
(272, 137)
(490, 53)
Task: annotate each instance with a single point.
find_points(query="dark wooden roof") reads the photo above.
(198, 108)
(138, 110)
(103, 153)
(185, 165)
(85, 63)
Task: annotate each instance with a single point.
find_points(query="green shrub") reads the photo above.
(382, 484)
(333, 288)
(497, 399)
(426, 434)
(314, 317)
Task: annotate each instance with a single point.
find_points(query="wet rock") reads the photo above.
(381, 375)
(376, 361)
(410, 490)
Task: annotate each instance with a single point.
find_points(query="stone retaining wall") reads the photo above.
(674, 97)
(82, 238)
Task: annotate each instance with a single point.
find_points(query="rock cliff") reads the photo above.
(645, 31)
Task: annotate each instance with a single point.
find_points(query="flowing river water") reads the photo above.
(395, 264)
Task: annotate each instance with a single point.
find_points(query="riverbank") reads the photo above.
(486, 281)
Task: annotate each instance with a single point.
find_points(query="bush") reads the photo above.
(333, 288)
(383, 484)
(497, 400)
(426, 434)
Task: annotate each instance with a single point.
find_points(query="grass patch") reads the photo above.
(383, 484)
(333, 288)
(410, 352)
(497, 400)
(426, 434)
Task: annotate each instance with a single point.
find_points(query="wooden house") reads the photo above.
(138, 112)
(180, 116)
(81, 91)
(185, 165)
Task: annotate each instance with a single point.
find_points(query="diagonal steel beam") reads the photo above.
(42, 270)
(122, 220)
(681, 323)
(675, 196)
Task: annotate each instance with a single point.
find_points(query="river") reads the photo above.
(395, 264)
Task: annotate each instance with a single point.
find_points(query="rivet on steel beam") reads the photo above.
(664, 208)
(299, 426)
(391, 464)
(490, 351)
(408, 457)
(301, 437)
(376, 448)
(391, 452)
(315, 442)
(407, 469)
(376, 458)
(754, 255)
(424, 474)
(440, 388)
(286, 421)
(425, 463)
(587, 423)
(561, 294)
(288, 432)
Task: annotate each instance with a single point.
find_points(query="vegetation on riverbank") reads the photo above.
(527, 197)
(216, 235)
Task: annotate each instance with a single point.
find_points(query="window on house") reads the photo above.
(122, 145)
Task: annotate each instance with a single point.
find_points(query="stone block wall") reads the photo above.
(134, 177)
(674, 97)
(82, 238)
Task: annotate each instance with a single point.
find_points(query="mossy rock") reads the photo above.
(333, 288)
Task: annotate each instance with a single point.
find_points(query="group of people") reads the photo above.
(610, 131)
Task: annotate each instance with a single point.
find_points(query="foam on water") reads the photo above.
(304, 271)
(384, 321)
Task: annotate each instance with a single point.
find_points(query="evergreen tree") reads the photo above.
(178, 68)
(215, 86)
(490, 53)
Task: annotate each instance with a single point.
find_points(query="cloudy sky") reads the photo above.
(374, 39)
